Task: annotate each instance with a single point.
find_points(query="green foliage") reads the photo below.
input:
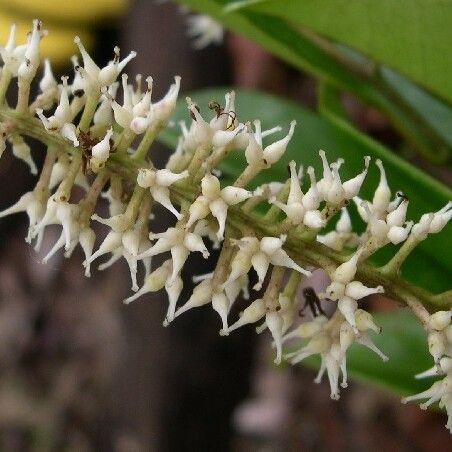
(342, 69)
(412, 37)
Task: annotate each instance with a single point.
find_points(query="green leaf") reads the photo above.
(434, 112)
(430, 264)
(411, 37)
(404, 342)
(305, 53)
(282, 40)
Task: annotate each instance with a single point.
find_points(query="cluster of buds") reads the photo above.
(89, 135)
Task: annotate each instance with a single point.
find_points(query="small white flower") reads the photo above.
(101, 151)
(49, 90)
(127, 243)
(204, 30)
(343, 234)
(34, 208)
(61, 121)
(28, 67)
(12, 55)
(155, 281)
(440, 391)
(158, 182)
(180, 242)
(22, 151)
(104, 113)
(216, 201)
(96, 78)
(268, 156)
(331, 339)
(252, 314)
(201, 295)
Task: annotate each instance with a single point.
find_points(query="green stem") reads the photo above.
(5, 80)
(88, 113)
(64, 189)
(88, 204)
(393, 266)
(290, 289)
(274, 288)
(248, 175)
(23, 96)
(146, 142)
(125, 141)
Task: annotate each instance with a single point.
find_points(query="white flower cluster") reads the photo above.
(439, 330)
(87, 152)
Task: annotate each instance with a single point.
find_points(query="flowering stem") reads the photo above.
(301, 250)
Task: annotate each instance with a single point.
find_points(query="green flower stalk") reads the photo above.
(283, 247)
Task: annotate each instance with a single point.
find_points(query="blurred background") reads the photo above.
(79, 371)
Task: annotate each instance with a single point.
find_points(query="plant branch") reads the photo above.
(305, 252)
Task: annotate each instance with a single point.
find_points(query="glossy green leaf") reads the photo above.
(430, 265)
(404, 342)
(434, 112)
(282, 40)
(278, 37)
(411, 37)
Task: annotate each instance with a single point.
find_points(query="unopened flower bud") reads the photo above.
(421, 229)
(439, 320)
(398, 234)
(313, 219)
(252, 314)
(441, 218)
(398, 215)
(346, 271)
(273, 152)
(357, 290)
(101, 151)
(220, 304)
(353, 186)
(382, 194)
(202, 294)
(364, 321)
(153, 282)
(210, 186)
